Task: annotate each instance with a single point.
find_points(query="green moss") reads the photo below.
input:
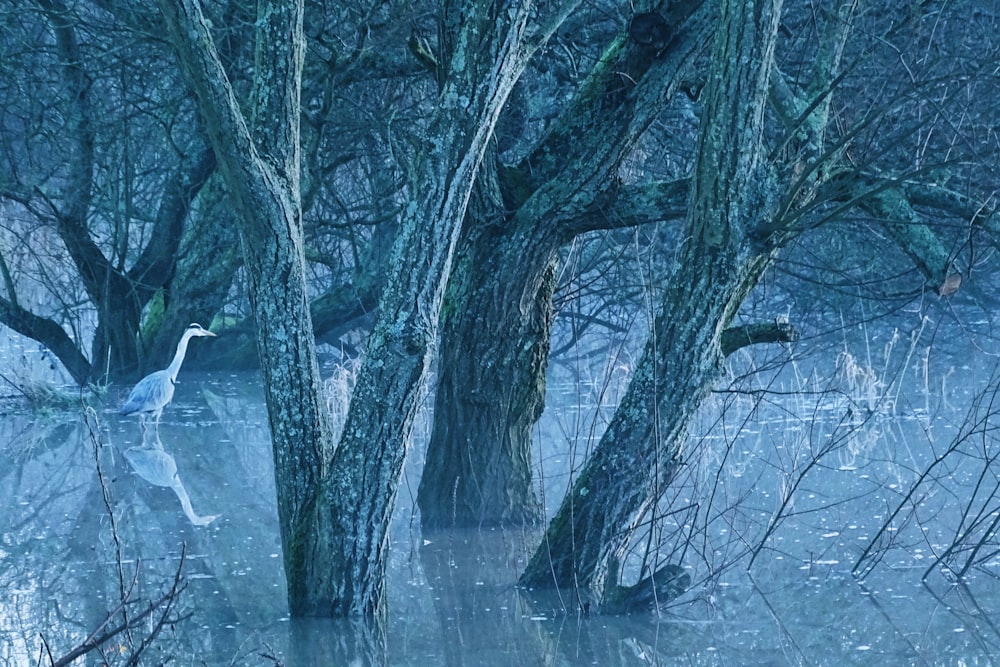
(153, 320)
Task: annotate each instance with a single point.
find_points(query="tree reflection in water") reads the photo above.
(78, 542)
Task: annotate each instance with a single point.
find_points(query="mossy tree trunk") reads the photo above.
(733, 196)
(207, 262)
(747, 202)
(497, 314)
(259, 161)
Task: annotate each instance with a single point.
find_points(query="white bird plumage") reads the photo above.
(154, 391)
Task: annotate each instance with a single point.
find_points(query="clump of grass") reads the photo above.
(41, 396)
(862, 383)
(338, 389)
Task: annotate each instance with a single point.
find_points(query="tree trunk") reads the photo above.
(261, 170)
(496, 321)
(484, 52)
(497, 313)
(732, 196)
(335, 509)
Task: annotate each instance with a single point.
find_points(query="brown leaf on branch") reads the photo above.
(950, 285)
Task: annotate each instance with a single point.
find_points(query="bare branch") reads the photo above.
(735, 338)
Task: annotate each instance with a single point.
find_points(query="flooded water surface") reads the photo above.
(97, 513)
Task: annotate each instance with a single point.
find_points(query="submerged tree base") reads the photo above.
(648, 594)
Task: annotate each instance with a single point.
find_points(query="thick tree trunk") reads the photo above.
(732, 196)
(261, 170)
(335, 511)
(491, 387)
(497, 318)
(641, 449)
(485, 52)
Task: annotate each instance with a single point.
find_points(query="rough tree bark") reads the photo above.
(335, 505)
(478, 467)
(491, 387)
(733, 196)
(483, 50)
(746, 203)
(260, 165)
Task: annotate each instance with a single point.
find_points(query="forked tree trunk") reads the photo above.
(496, 317)
(260, 166)
(733, 195)
(335, 506)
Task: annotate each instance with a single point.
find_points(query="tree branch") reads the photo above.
(48, 333)
(225, 123)
(71, 213)
(102, 633)
(622, 95)
(632, 205)
(155, 266)
(983, 214)
(906, 226)
(735, 338)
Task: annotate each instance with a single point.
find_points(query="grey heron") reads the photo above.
(154, 391)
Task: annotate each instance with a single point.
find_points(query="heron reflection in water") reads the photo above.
(154, 391)
(158, 467)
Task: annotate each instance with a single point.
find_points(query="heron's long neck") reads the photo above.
(182, 347)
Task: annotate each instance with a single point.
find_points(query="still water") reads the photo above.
(94, 513)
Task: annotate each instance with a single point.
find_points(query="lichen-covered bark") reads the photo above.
(260, 167)
(490, 388)
(733, 193)
(914, 237)
(485, 50)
